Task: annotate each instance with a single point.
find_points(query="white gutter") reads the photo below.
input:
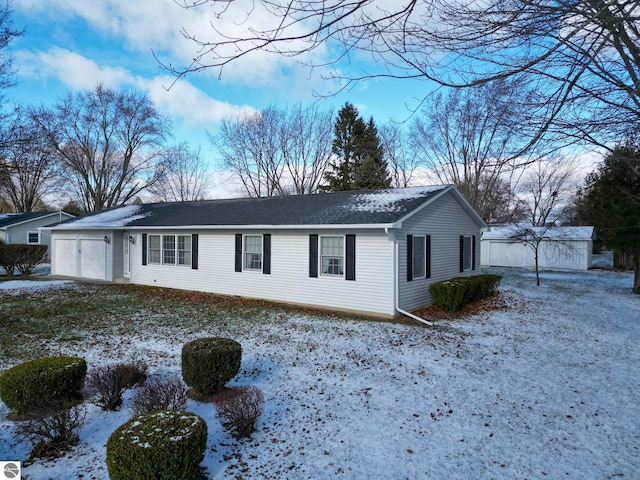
(396, 281)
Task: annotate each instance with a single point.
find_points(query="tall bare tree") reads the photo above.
(584, 56)
(473, 138)
(108, 142)
(28, 168)
(276, 152)
(186, 176)
(547, 188)
(401, 157)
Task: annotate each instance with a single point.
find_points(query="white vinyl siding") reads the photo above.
(289, 281)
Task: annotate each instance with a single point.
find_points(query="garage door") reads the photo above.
(65, 261)
(92, 258)
(505, 254)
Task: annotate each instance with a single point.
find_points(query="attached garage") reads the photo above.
(560, 248)
(83, 256)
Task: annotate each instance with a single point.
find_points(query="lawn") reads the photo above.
(547, 388)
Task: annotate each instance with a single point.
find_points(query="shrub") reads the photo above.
(170, 394)
(54, 428)
(452, 294)
(42, 379)
(163, 445)
(23, 257)
(105, 385)
(239, 409)
(209, 363)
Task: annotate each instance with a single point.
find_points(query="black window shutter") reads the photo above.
(350, 273)
(461, 253)
(194, 251)
(313, 255)
(473, 253)
(238, 252)
(428, 257)
(266, 253)
(144, 249)
(409, 258)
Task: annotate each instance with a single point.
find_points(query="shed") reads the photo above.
(560, 247)
(24, 228)
(373, 252)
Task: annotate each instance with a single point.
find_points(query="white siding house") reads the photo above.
(560, 248)
(371, 252)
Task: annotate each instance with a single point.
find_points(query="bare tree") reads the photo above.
(186, 177)
(547, 189)
(28, 167)
(583, 56)
(276, 152)
(109, 143)
(472, 139)
(402, 159)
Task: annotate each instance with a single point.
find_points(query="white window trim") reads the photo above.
(344, 259)
(29, 233)
(424, 258)
(149, 258)
(244, 253)
(466, 257)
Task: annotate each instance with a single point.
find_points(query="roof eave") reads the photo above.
(331, 226)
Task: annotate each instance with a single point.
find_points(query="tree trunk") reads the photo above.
(636, 274)
(537, 270)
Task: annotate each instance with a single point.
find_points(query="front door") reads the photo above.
(126, 257)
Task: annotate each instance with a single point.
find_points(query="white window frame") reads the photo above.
(419, 255)
(249, 256)
(160, 255)
(322, 256)
(31, 232)
(467, 253)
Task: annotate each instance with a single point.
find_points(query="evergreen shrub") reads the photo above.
(209, 363)
(453, 294)
(163, 445)
(47, 378)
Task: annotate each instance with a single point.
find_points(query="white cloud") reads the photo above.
(72, 69)
(186, 101)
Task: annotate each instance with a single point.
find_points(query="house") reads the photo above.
(373, 252)
(24, 228)
(560, 248)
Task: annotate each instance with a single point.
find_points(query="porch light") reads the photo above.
(132, 240)
(106, 239)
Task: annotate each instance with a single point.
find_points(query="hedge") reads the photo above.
(23, 257)
(453, 294)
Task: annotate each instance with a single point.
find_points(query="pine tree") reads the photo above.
(359, 157)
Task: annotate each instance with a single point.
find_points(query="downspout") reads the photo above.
(396, 281)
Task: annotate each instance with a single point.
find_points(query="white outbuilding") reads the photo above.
(559, 248)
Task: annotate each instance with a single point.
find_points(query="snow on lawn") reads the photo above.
(548, 389)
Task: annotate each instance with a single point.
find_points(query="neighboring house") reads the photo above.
(562, 248)
(24, 228)
(374, 252)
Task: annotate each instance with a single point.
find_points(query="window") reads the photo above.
(332, 256)
(253, 252)
(466, 253)
(170, 249)
(184, 250)
(154, 249)
(419, 255)
(33, 237)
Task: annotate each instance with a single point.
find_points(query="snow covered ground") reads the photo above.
(546, 389)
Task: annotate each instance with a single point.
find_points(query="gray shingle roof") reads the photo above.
(339, 208)
(8, 219)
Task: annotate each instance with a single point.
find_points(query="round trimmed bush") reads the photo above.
(209, 363)
(43, 379)
(163, 445)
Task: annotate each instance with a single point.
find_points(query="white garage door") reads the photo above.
(505, 254)
(65, 259)
(92, 258)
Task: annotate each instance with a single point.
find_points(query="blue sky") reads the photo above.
(73, 45)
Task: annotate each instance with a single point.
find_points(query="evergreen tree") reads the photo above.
(371, 172)
(358, 155)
